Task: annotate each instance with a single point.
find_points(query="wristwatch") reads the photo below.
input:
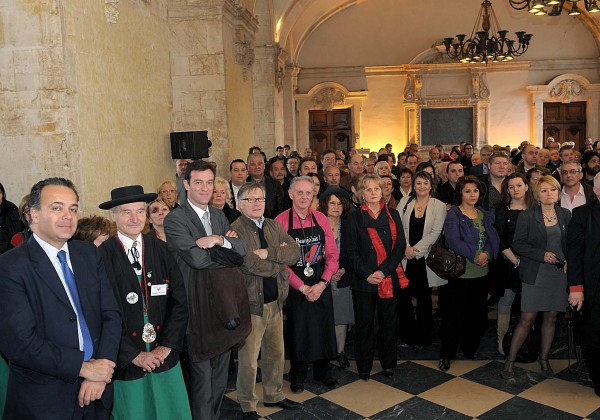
(325, 282)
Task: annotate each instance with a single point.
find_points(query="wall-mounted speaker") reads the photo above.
(190, 145)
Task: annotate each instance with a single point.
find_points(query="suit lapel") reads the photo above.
(196, 222)
(46, 272)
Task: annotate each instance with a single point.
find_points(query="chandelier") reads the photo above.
(554, 7)
(487, 42)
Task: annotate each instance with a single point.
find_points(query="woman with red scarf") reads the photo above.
(376, 248)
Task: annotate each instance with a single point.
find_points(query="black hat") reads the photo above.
(125, 195)
(334, 189)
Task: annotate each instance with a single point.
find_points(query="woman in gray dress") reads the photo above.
(540, 240)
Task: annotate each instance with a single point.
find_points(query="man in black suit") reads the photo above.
(583, 273)
(61, 325)
(275, 203)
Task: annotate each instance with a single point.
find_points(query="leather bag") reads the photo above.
(445, 263)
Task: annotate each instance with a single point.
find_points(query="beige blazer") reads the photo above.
(435, 215)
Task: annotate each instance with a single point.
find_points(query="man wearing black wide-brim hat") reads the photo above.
(151, 294)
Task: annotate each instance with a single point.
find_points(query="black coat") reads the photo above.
(167, 313)
(361, 252)
(583, 250)
(530, 240)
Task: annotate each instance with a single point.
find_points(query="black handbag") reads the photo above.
(445, 263)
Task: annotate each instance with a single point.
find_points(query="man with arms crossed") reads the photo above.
(270, 249)
(192, 230)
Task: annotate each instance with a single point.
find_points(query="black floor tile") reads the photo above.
(417, 409)
(521, 409)
(489, 375)
(414, 378)
(316, 408)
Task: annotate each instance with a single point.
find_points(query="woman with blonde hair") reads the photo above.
(168, 192)
(376, 246)
(221, 199)
(540, 241)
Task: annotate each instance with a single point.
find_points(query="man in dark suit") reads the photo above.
(583, 273)
(61, 325)
(196, 231)
(275, 203)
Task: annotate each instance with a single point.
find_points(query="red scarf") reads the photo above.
(385, 288)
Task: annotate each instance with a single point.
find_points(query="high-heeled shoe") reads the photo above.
(444, 364)
(546, 368)
(507, 371)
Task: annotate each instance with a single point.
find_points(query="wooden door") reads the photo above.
(565, 122)
(330, 130)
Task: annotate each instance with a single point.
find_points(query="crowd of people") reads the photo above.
(141, 314)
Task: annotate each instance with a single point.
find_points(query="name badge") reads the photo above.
(158, 290)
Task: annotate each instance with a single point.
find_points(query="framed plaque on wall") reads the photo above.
(446, 125)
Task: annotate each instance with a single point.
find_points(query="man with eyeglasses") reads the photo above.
(270, 250)
(150, 292)
(574, 193)
(256, 169)
(203, 241)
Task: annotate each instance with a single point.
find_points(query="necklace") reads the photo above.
(550, 218)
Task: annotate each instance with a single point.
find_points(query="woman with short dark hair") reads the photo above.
(469, 231)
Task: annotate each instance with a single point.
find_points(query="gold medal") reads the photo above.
(148, 335)
(308, 270)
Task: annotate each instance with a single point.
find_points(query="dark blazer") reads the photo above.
(361, 253)
(477, 170)
(583, 250)
(530, 240)
(183, 227)
(462, 236)
(167, 313)
(38, 332)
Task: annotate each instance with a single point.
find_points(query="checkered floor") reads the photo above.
(471, 389)
(419, 390)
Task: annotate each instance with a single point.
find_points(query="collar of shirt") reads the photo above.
(580, 192)
(128, 244)
(198, 210)
(52, 254)
(260, 222)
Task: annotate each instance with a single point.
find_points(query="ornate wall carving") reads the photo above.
(244, 51)
(567, 90)
(327, 98)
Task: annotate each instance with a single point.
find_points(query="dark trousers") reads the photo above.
(411, 330)
(366, 305)
(209, 382)
(464, 317)
(591, 341)
(299, 369)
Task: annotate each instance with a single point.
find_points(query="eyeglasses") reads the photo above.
(253, 200)
(571, 172)
(498, 154)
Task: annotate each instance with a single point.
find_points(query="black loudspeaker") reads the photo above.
(190, 145)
